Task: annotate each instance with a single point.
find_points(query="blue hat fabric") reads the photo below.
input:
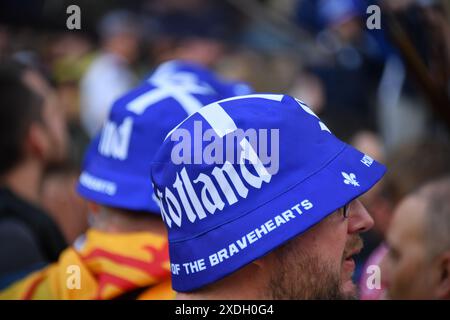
(116, 169)
(221, 215)
(338, 11)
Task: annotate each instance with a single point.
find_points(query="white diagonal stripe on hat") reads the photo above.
(178, 92)
(274, 97)
(218, 119)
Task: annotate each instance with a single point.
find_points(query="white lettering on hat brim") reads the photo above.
(243, 243)
(96, 184)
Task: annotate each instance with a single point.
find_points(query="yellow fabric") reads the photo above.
(109, 265)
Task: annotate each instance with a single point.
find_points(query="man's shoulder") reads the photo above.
(29, 222)
(22, 249)
(14, 227)
(14, 208)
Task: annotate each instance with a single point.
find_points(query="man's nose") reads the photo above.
(359, 219)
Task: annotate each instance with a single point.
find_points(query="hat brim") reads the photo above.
(132, 191)
(325, 190)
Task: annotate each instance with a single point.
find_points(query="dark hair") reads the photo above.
(20, 106)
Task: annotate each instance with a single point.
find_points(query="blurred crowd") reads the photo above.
(385, 91)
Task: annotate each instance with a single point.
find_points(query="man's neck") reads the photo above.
(117, 221)
(25, 181)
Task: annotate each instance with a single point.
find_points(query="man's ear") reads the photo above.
(37, 143)
(443, 288)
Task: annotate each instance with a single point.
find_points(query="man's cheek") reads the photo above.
(338, 244)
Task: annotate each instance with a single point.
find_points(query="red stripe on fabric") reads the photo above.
(29, 293)
(153, 268)
(121, 283)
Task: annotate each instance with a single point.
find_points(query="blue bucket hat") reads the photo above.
(116, 168)
(222, 212)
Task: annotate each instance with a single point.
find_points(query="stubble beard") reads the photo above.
(302, 276)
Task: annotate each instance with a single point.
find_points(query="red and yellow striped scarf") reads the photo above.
(109, 265)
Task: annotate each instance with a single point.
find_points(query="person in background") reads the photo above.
(347, 53)
(124, 253)
(32, 138)
(195, 30)
(417, 265)
(109, 76)
(371, 144)
(410, 166)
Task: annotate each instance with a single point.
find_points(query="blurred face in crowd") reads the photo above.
(50, 135)
(318, 264)
(411, 270)
(348, 30)
(125, 44)
(130, 46)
